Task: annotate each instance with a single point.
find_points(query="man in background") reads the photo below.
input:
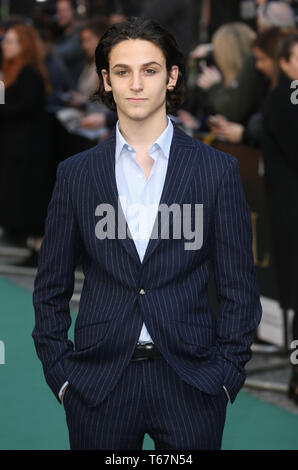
(68, 44)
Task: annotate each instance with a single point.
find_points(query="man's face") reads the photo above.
(65, 13)
(11, 46)
(264, 63)
(138, 78)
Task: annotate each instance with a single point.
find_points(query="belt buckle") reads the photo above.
(144, 347)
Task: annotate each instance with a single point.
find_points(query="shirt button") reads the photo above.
(142, 292)
(140, 175)
(129, 148)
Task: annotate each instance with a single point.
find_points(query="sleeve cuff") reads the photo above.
(61, 390)
(227, 393)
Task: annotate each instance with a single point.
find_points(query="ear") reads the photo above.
(173, 77)
(106, 80)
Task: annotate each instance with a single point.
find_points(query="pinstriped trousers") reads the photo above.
(149, 398)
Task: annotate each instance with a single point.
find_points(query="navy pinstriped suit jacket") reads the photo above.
(207, 349)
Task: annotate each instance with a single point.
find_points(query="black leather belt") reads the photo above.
(145, 352)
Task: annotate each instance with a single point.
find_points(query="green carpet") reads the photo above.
(32, 419)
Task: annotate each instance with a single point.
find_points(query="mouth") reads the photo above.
(136, 99)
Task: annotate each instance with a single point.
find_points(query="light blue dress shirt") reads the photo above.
(140, 197)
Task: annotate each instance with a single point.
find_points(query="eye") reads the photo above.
(122, 72)
(150, 71)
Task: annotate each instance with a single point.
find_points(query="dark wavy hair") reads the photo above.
(271, 40)
(287, 45)
(149, 30)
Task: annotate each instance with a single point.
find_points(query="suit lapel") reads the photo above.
(180, 171)
(182, 159)
(104, 179)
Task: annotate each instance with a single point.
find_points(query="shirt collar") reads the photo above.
(163, 141)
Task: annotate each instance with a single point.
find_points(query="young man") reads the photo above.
(151, 355)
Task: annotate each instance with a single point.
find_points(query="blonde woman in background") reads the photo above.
(232, 86)
(231, 45)
(265, 48)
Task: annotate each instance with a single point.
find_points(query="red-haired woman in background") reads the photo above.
(25, 171)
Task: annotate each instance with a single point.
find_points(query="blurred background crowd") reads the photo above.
(241, 87)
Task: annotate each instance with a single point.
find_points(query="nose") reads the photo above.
(136, 82)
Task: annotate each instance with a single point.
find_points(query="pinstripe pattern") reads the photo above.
(206, 351)
(148, 398)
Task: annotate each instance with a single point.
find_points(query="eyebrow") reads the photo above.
(125, 66)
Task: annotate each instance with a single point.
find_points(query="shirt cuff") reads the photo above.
(61, 390)
(227, 393)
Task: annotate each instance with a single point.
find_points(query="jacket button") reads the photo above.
(142, 292)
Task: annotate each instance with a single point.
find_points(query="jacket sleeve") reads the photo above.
(54, 283)
(239, 311)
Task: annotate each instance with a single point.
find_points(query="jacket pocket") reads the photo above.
(90, 335)
(196, 334)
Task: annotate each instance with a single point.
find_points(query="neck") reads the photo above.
(142, 134)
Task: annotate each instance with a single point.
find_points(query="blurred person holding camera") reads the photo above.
(269, 14)
(231, 86)
(265, 49)
(24, 162)
(227, 80)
